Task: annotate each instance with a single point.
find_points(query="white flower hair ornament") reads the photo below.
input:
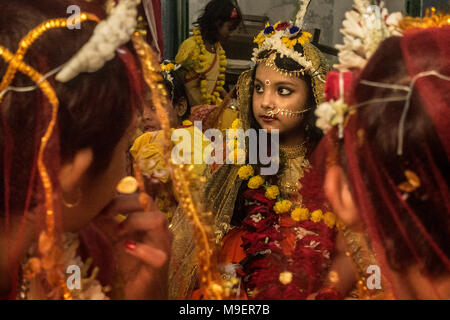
(365, 27)
(108, 35)
(333, 112)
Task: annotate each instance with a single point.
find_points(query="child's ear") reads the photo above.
(181, 107)
(219, 24)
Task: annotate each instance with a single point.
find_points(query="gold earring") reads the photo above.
(74, 204)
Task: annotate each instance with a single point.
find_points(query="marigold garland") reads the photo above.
(245, 172)
(214, 97)
(272, 192)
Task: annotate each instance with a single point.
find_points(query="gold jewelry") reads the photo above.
(292, 152)
(288, 113)
(270, 62)
(71, 205)
(127, 185)
(431, 19)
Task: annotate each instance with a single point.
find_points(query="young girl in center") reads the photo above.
(275, 233)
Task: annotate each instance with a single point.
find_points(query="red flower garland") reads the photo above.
(265, 260)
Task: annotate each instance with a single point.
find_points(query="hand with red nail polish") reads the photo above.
(143, 249)
(142, 245)
(130, 245)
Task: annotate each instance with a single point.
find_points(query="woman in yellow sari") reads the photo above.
(202, 55)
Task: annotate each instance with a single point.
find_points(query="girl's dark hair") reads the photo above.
(216, 13)
(94, 108)
(177, 89)
(423, 153)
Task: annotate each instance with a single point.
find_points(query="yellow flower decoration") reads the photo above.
(282, 206)
(236, 123)
(285, 277)
(245, 172)
(329, 219)
(304, 38)
(300, 214)
(148, 151)
(288, 42)
(272, 192)
(260, 38)
(167, 67)
(255, 182)
(316, 216)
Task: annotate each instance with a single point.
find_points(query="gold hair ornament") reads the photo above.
(432, 19)
(270, 63)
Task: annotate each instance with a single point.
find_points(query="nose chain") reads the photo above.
(286, 112)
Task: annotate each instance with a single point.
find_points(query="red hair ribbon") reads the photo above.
(234, 13)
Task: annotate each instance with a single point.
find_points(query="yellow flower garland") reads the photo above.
(281, 206)
(245, 172)
(213, 98)
(300, 214)
(255, 182)
(316, 216)
(272, 192)
(167, 67)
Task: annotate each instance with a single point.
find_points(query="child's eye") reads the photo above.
(258, 88)
(284, 91)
